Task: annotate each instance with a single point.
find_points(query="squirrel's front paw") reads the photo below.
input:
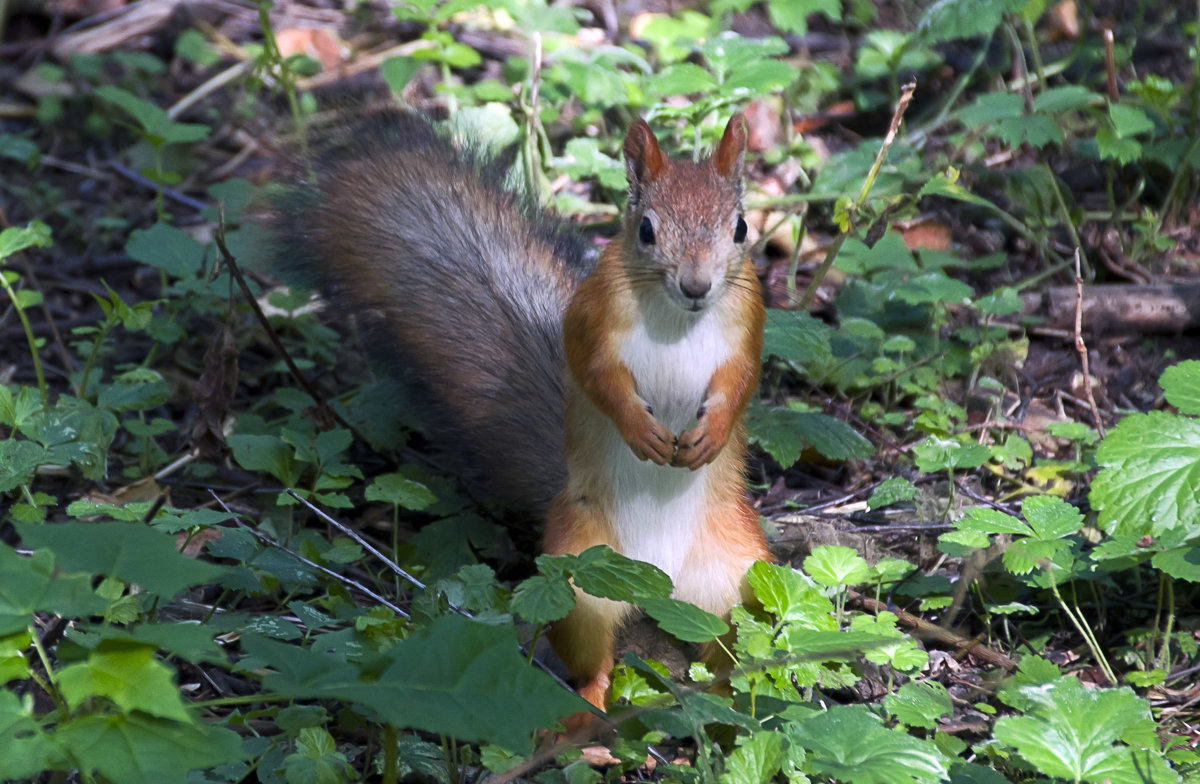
(697, 447)
(649, 440)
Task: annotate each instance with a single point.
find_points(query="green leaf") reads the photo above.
(891, 491)
(158, 127)
(682, 620)
(398, 72)
(456, 676)
(1181, 386)
(1112, 146)
(137, 749)
(127, 551)
(790, 595)
(797, 338)
(543, 598)
(1182, 563)
(1150, 469)
(991, 108)
(35, 234)
(603, 572)
(939, 454)
(167, 248)
(1069, 98)
(316, 759)
(25, 749)
(791, 16)
(129, 675)
(136, 390)
(836, 566)
(1071, 732)
(1051, 517)
(267, 453)
(33, 584)
(756, 760)
(401, 491)
(949, 20)
(1129, 120)
(849, 744)
(941, 185)
(919, 704)
(683, 79)
(784, 432)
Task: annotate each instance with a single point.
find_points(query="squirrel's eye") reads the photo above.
(646, 232)
(739, 233)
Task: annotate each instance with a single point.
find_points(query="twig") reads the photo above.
(932, 630)
(906, 94)
(323, 570)
(1110, 64)
(1082, 348)
(170, 193)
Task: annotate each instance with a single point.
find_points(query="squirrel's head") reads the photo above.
(684, 225)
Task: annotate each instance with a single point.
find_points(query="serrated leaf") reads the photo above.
(790, 595)
(891, 491)
(784, 433)
(455, 676)
(949, 20)
(682, 620)
(756, 761)
(938, 454)
(15, 238)
(1182, 563)
(797, 338)
(1071, 732)
(400, 490)
(1051, 517)
(603, 572)
(1150, 472)
(1129, 120)
(1112, 146)
(33, 584)
(835, 566)
(941, 185)
(127, 551)
(136, 749)
(919, 704)
(1071, 97)
(683, 79)
(849, 744)
(129, 675)
(167, 248)
(25, 748)
(542, 599)
(1181, 386)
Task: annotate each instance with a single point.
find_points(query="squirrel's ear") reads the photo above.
(730, 157)
(644, 161)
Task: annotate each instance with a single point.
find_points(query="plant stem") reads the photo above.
(33, 348)
(1081, 626)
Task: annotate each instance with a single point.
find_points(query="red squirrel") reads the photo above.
(608, 401)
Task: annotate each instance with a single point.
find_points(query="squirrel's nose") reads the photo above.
(693, 288)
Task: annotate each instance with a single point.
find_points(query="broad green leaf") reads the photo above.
(991, 108)
(939, 454)
(849, 744)
(1181, 386)
(26, 752)
(1069, 98)
(991, 521)
(683, 79)
(1072, 732)
(129, 675)
(316, 759)
(134, 391)
(1150, 471)
(167, 248)
(919, 704)
(941, 185)
(1129, 120)
(949, 20)
(1182, 563)
(34, 584)
(542, 599)
(456, 676)
(137, 749)
(790, 595)
(836, 566)
(785, 432)
(34, 235)
(267, 453)
(682, 620)
(756, 760)
(1051, 517)
(401, 491)
(127, 551)
(399, 71)
(796, 337)
(601, 571)
(891, 491)
(1113, 146)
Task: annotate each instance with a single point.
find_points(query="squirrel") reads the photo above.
(606, 400)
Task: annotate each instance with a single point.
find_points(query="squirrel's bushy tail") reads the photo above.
(459, 285)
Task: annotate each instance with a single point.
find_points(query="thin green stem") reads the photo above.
(29, 337)
(1080, 624)
(1066, 219)
(1164, 657)
(389, 754)
(91, 361)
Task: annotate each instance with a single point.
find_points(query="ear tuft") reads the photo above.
(644, 161)
(730, 156)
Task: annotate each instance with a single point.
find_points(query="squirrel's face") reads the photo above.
(685, 229)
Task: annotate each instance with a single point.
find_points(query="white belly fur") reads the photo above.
(658, 510)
